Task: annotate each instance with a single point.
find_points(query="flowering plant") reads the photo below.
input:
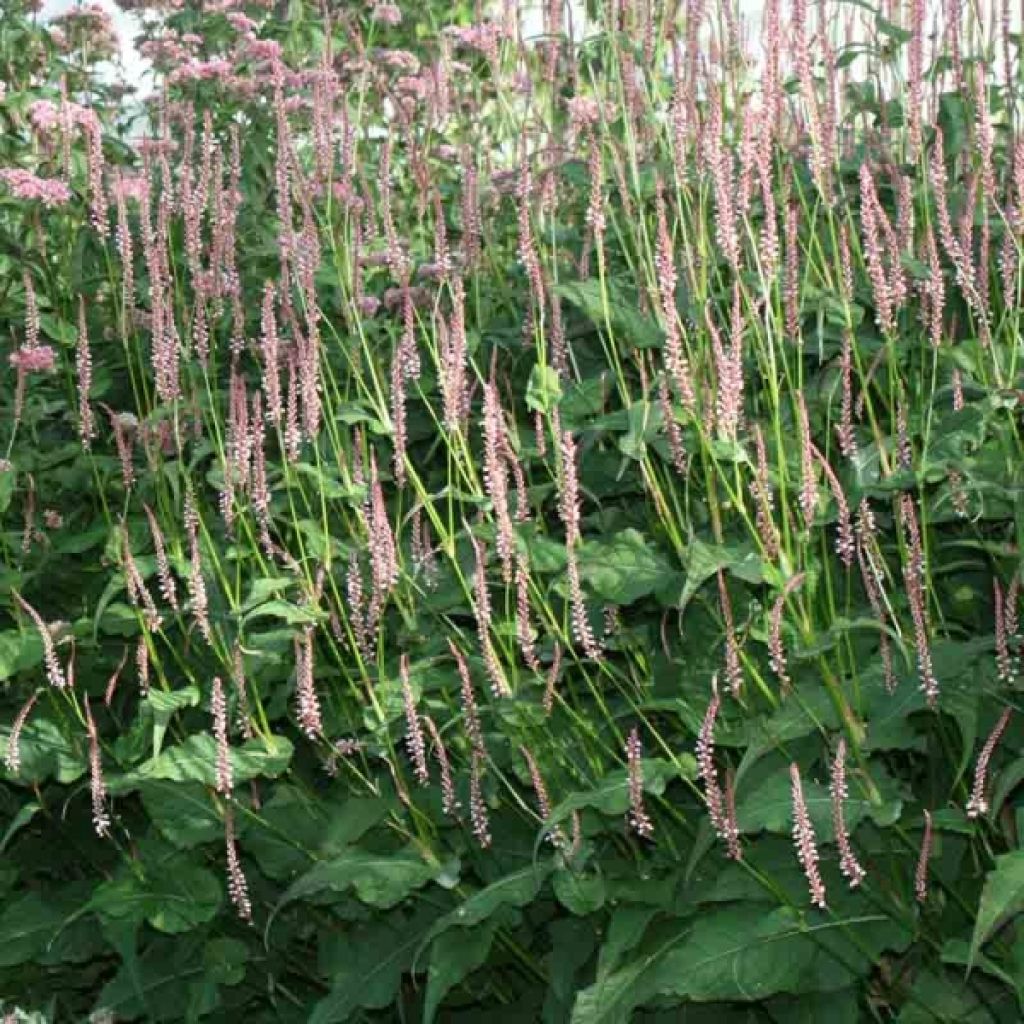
(511, 518)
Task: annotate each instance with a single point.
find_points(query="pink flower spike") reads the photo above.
(805, 841)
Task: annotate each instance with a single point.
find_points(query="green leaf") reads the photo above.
(1002, 898)
(514, 890)
(624, 568)
(704, 560)
(366, 964)
(225, 960)
(183, 812)
(766, 805)
(453, 956)
(643, 425)
(738, 953)
(293, 614)
(25, 814)
(572, 944)
(26, 927)
(612, 307)
(45, 753)
(195, 760)
(544, 390)
(173, 895)
(611, 796)
(579, 893)
(379, 879)
(58, 329)
(162, 986)
(7, 480)
(164, 705)
(19, 650)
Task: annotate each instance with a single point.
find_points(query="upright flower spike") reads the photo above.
(413, 729)
(733, 667)
(54, 672)
(168, 591)
(921, 872)
(914, 577)
(978, 804)
(776, 648)
(804, 839)
(219, 710)
(477, 806)
(238, 887)
(705, 753)
(555, 835)
(306, 701)
(449, 801)
(97, 787)
(12, 756)
(639, 820)
(848, 863)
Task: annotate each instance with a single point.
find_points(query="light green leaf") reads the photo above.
(544, 390)
(173, 895)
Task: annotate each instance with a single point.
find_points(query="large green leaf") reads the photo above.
(183, 812)
(27, 925)
(453, 956)
(625, 568)
(704, 560)
(379, 879)
(606, 305)
(1002, 898)
(514, 890)
(366, 965)
(739, 953)
(172, 894)
(195, 760)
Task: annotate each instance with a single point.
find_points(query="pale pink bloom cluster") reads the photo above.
(26, 185)
(33, 359)
(47, 116)
(194, 70)
(386, 14)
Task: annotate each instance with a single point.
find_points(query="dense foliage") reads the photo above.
(512, 524)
